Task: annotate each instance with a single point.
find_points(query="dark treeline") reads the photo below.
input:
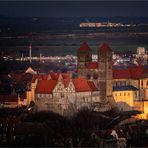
(86, 128)
(51, 129)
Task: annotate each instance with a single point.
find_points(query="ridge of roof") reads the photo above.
(124, 88)
(104, 48)
(84, 46)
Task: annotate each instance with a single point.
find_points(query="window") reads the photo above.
(146, 84)
(142, 84)
(83, 99)
(124, 83)
(62, 95)
(119, 83)
(125, 94)
(42, 95)
(135, 95)
(128, 94)
(116, 83)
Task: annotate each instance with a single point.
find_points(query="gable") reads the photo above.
(71, 86)
(59, 87)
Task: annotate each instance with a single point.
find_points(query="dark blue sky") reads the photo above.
(74, 8)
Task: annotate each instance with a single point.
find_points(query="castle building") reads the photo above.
(62, 93)
(98, 86)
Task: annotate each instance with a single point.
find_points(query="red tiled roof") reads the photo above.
(84, 46)
(39, 77)
(8, 98)
(66, 82)
(145, 73)
(104, 48)
(132, 72)
(36, 76)
(136, 72)
(54, 76)
(45, 86)
(81, 84)
(92, 86)
(44, 77)
(66, 76)
(121, 74)
(92, 65)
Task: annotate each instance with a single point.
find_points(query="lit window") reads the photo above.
(124, 94)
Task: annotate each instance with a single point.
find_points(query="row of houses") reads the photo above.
(60, 91)
(107, 87)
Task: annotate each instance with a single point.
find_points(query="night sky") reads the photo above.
(74, 8)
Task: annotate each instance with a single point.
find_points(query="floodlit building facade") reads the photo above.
(98, 86)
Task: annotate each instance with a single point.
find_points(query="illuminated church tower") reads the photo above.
(105, 72)
(84, 55)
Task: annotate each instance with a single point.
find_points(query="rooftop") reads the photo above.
(104, 48)
(84, 46)
(124, 88)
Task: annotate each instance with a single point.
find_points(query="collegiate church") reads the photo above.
(92, 88)
(98, 86)
(100, 72)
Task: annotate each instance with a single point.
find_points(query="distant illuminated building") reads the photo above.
(140, 50)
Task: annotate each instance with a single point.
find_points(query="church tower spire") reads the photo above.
(105, 72)
(84, 55)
